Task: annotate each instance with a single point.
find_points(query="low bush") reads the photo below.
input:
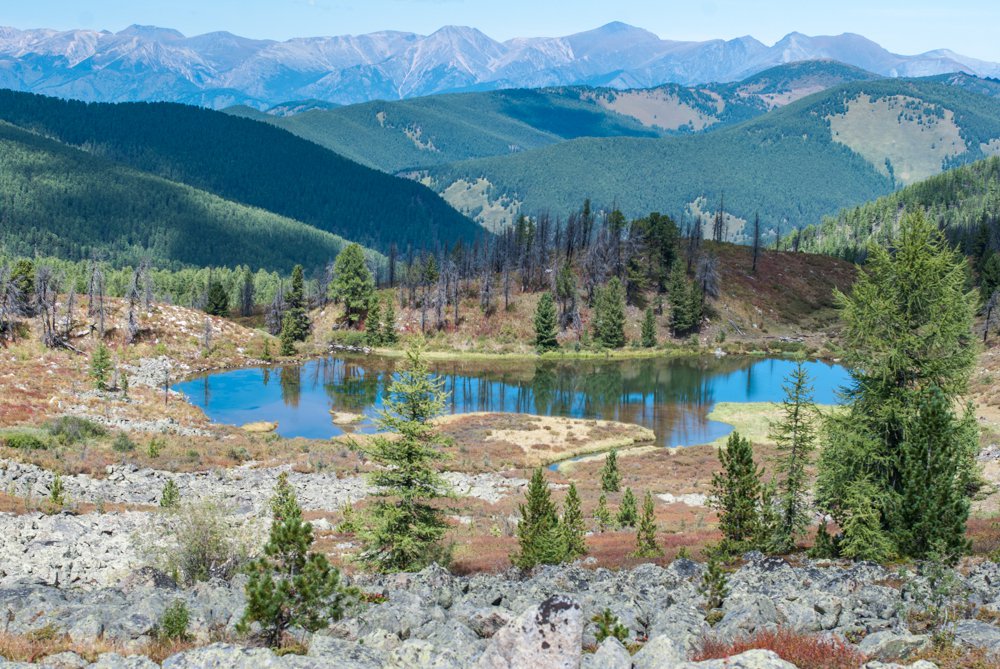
(173, 623)
(69, 430)
(356, 338)
(25, 441)
(805, 651)
(123, 444)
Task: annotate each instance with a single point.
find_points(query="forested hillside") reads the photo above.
(847, 145)
(248, 162)
(435, 130)
(60, 201)
(964, 201)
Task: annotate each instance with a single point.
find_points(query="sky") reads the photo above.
(902, 26)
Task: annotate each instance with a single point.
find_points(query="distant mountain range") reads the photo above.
(143, 63)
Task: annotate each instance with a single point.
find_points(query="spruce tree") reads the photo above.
(794, 437)
(649, 329)
(389, 336)
(540, 538)
(217, 302)
(736, 493)
(645, 537)
(171, 495)
(295, 321)
(602, 515)
(352, 283)
(572, 525)
(610, 479)
(289, 334)
(714, 585)
(100, 366)
(545, 324)
(289, 585)
(628, 511)
(934, 506)
(908, 327)
(609, 315)
(681, 321)
(404, 529)
(373, 325)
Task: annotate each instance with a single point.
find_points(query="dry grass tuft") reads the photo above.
(805, 651)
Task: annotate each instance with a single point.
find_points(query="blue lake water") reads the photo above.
(672, 396)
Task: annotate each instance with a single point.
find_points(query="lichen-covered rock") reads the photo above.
(548, 636)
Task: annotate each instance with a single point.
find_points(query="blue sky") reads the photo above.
(903, 26)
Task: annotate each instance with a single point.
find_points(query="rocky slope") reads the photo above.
(435, 619)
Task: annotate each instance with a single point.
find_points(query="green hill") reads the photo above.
(248, 162)
(964, 201)
(830, 150)
(436, 130)
(60, 201)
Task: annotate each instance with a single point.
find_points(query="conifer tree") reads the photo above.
(678, 292)
(539, 537)
(714, 584)
(404, 530)
(649, 329)
(572, 525)
(645, 537)
(217, 302)
(352, 283)
(545, 324)
(908, 327)
(289, 585)
(171, 495)
(935, 506)
(373, 326)
(610, 479)
(736, 493)
(295, 320)
(609, 315)
(389, 336)
(289, 334)
(602, 515)
(628, 511)
(794, 437)
(100, 366)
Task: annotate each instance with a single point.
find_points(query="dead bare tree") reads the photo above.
(132, 295)
(46, 296)
(276, 312)
(990, 309)
(10, 304)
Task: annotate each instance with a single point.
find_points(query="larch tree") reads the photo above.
(794, 435)
(353, 284)
(404, 529)
(908, 328)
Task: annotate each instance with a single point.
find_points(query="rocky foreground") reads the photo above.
(435, 620)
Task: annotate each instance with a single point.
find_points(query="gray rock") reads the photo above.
(751, 659)
(548, 636)
(611, 654)
(977, 634)
(67, 660)
(116, 661)
(887, 645)
(745, 615)
(227, 656)
(343, 653)
(658, 652)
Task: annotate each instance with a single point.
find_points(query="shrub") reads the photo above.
(155, 447)
(69, 430)
(173, 623)
(196, 542)
(354, 338)
(123, 444)
(609, 625)
(25, 441)
(803, 650)
(171, 495)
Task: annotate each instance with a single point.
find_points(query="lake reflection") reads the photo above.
(670, 395)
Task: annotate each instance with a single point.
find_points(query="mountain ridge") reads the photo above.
(220, 69)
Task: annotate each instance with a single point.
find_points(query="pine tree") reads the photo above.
(736, 492)
(100, 366)
(794, 437)
(389, 336)
(609, 315)
(289, 585)
(217, 302)
(352, 283)
(628, 512)
(934, 506)
(908, 326)
(572, 525)
(373, 326)
(545, 324)
(540, 539)
(714, 584)
(608, 625)
(645, 537)
(649, 329)
(171, 495)
(289, 334)
(602, 515)
(404, 530)
(681, 320)
(610, 479)
(823, 547)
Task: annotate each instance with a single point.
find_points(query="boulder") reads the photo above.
(888, 645)
(659, 652)
(751, 659)
(548, 636)
(611, 654)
